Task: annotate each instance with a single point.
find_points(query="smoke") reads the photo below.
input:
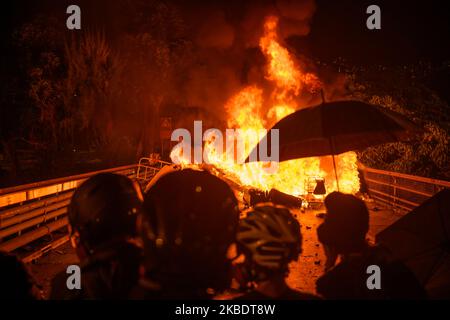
(226, 37)
(295, 18)
(228, 24)
(215, 31)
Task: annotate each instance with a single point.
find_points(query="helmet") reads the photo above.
(188, 223)
(269, 237)
(103, 209)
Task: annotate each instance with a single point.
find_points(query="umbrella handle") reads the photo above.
(334, 162)
(335, 173)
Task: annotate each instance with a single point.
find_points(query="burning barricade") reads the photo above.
(253, 109)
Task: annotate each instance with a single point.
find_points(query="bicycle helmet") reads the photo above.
(269, 237)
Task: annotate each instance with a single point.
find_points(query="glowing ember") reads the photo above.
(245, 112)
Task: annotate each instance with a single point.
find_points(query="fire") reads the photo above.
(246, 111)
(281, 68)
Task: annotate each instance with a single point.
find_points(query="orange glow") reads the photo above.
(245, 111)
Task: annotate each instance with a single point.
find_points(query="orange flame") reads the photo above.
(245, 111)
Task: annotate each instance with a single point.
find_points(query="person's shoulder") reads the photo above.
(145, 290)
(337, 283)
(339, 272)
(252, 295)
(290, 294)
(300, 295)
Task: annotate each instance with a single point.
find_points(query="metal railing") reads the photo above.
(399, 191)
(148, 167)
(32, 211)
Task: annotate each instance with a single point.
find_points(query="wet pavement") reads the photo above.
(56, 261)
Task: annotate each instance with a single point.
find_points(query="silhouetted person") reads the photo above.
(188, 225)
(343, 235)
(102, 217)
(269, 237)
(15, 280)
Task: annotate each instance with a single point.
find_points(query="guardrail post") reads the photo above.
(394, 185)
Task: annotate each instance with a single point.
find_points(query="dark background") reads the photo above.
(411, 30)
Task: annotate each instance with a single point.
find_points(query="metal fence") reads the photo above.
(31, 212)
(399, 191)
(38, 211)
(148, 167)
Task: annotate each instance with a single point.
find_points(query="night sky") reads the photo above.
(411, 30)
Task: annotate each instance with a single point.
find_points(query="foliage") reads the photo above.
(155, 52)
(406, 90)
(41, 70)
(85, 91)
(92, 68)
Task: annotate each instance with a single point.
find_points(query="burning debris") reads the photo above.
(255, 108)
(256, 196)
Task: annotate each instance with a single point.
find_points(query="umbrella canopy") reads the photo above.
(421, 240)
(336, 127)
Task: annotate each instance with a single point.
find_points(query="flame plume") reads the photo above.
(245, 111)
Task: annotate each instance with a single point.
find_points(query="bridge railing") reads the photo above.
(399, 191)
(36, 211)
(148, 167)
(33, 211)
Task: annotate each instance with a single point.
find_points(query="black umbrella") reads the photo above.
(421, 239)
(336, 127)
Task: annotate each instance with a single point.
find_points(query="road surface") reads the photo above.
(303, 274)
